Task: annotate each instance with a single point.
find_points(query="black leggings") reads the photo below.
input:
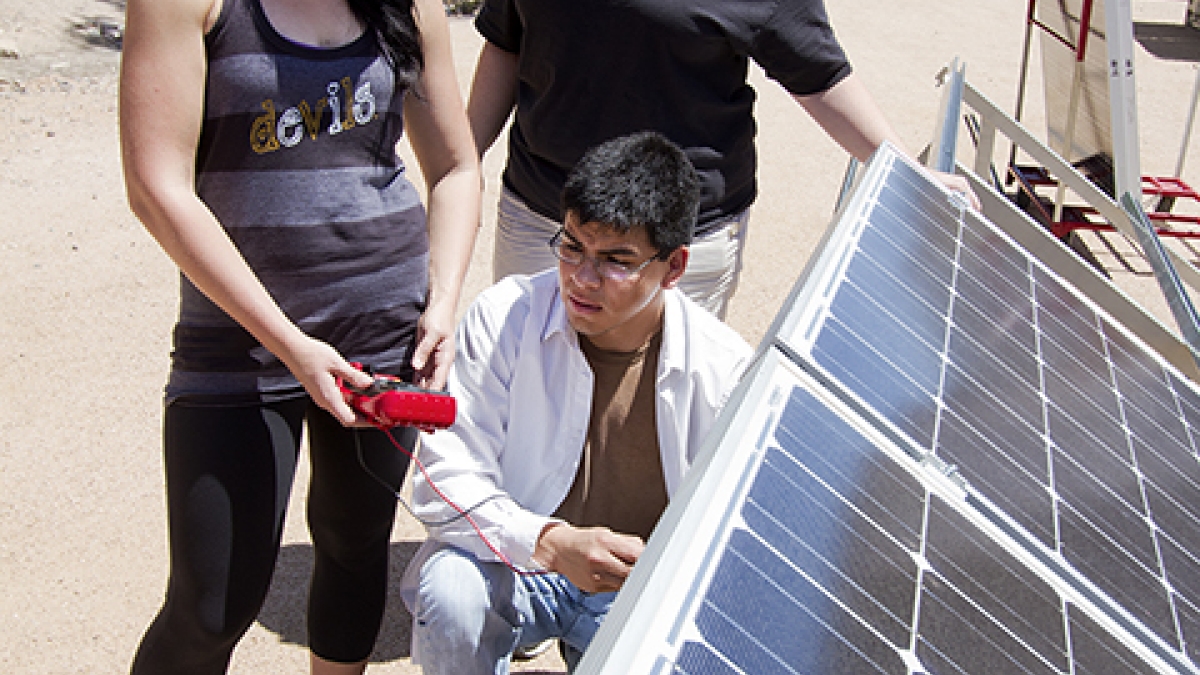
(229, 472)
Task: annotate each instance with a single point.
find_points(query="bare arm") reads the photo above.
(441, 139)
(161, 109)
(493, 94)
(849, 114)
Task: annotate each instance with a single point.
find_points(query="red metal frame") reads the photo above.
(1167, 189)
(1081, 217)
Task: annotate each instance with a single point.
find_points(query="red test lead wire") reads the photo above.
(388, 402)
(462, 513)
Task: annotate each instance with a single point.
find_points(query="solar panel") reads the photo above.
(946, 460)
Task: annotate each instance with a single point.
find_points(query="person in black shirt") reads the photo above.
(579, 73)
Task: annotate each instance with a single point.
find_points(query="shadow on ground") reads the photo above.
(284, 609)
(1172, 42)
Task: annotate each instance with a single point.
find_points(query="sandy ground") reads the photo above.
(87, 302)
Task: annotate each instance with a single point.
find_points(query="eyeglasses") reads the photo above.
(569, 251)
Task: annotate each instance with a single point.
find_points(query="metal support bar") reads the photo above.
(1122, 94)
(945, 139)
(1168, 280)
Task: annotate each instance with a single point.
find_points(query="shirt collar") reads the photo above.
(674, 342)
(556, 315)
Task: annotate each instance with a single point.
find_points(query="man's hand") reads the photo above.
(595, 559)
(435, 348)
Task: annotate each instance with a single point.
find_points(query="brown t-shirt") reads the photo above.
(620, 482)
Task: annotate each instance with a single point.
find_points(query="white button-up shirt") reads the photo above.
(524, 395)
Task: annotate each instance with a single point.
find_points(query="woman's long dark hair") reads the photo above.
(394, 23)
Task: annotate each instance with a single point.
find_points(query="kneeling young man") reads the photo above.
(584, 394)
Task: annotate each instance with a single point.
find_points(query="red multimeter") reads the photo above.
(389, 401)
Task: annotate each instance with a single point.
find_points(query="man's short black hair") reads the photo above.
(638, 180)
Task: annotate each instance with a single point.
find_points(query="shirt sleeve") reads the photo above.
(462, 473)
(796, 46)
(499, 23)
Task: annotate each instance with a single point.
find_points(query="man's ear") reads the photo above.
(676, 265)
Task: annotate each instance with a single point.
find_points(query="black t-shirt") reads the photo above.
(591, 70)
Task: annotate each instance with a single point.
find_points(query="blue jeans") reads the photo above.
(469, 616)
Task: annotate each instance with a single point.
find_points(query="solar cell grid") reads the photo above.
(1101, 560)
(1042, 416)
(894, 243)
(1172, 491)
(1078, 420)
(1097, 651)
(970, 399)
(1003, 370)
(907, 351)
(1099, 500)
(1182, 567)
(982, 611)
(1020, 495)
(888, 390)
(1189, 622)
(1188, 402)
(814, 579)
(921, 316)
(1024, 496)
(998, 584)
(830, 584)
(980, 285)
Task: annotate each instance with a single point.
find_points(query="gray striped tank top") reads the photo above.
(297, 161)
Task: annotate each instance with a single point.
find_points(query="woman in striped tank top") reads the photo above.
(259, 146)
